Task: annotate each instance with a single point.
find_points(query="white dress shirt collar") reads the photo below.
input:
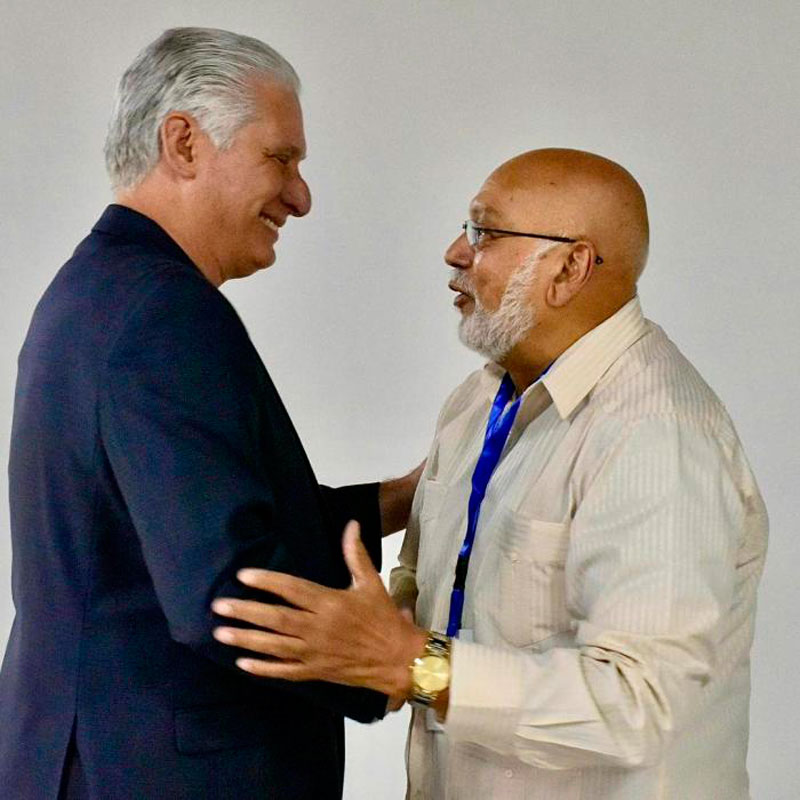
(581, 366)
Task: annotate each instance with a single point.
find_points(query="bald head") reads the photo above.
(564, 287)
(576, 194)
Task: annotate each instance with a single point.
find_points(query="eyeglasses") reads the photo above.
(475, 232)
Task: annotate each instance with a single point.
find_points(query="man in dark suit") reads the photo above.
(152, 457)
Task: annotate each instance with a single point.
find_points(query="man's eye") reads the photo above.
(282, 158)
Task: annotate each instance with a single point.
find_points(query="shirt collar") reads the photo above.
(124, 222)
(579, 368)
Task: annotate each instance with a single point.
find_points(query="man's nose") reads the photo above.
(297, 196)
(460, 253)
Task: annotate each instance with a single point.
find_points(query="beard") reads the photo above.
(494, 334)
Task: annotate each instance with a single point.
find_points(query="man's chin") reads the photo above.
(268, 258)
(264, 260)
(250, 268)
(492, 347)
(477, 345)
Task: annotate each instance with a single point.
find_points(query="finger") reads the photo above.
(268, 644)
(277, 618)
(356, 557)
(395, 703)
(285, 670)
(298, 591)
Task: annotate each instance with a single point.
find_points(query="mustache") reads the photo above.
(460, 283)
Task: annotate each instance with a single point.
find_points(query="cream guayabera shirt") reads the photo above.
(611, 591)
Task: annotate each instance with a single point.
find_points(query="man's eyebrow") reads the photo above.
(290, 150)
(482, 213)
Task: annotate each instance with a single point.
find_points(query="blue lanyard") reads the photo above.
(494, 441)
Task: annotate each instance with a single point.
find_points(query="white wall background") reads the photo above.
(408, 106)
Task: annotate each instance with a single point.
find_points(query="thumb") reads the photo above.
(356, 557)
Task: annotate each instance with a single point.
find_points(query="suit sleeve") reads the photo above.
(182, 417)
(358, 502)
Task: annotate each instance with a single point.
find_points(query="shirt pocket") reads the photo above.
(530, 602)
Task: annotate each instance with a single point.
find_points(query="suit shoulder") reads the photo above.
(176, 317)
(172, 295)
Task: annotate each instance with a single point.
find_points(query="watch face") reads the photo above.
(432, 673)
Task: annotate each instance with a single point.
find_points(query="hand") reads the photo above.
(395, 497)
(353, 636)
(396, 703)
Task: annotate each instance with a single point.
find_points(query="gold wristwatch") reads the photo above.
(430, 673)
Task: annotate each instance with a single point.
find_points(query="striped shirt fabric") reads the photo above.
(611, 592)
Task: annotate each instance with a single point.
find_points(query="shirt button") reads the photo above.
(509, 773)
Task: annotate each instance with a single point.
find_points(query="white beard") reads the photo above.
(493, 334)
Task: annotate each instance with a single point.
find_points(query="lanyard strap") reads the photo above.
(494, 441)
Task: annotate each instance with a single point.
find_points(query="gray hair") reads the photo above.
(204, 72)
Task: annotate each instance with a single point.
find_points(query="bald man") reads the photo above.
(585, 546)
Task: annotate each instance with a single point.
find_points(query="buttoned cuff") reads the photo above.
(487, 690)
(521, 703)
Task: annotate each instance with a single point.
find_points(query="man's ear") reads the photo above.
(179, 137)
(576, 269)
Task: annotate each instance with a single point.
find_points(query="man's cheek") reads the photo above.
(487, 295)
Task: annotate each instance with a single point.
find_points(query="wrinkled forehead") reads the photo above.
(501, 202)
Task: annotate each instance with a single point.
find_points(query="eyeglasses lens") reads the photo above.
(472, 233)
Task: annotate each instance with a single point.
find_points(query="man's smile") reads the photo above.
(269, 223)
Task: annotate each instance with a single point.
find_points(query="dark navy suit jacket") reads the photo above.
(151, 457)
